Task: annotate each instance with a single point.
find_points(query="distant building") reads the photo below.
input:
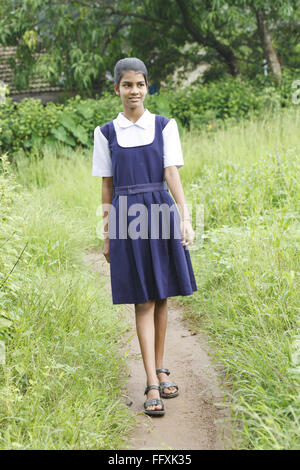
(38, 87)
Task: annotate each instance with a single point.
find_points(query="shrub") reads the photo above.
(30, 124)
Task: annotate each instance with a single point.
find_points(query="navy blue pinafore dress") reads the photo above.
(144, 268)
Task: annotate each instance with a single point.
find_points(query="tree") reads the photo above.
(82, 39)
(78, 41)
(267, 44)
(269, 14)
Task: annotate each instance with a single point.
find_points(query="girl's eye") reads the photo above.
(127, 85)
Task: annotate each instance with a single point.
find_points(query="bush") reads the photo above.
(30, 124)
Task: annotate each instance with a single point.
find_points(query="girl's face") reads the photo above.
(132, 89)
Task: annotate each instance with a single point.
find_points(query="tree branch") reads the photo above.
(209, 40)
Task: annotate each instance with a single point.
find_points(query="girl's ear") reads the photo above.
(116, 89)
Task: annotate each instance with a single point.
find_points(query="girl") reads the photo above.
(136, 154)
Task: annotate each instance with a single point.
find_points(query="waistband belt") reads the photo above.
(140, 188)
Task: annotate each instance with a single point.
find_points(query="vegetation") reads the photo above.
(28, 124)
(63, 377)
(247, 268)
(61, 371)
(81, 42)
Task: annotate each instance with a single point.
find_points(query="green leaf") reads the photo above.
(61, 134)
(85, 110)
(27, 143)
(68, 122)
(81, 134)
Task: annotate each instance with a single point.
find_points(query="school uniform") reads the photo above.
(154, 265)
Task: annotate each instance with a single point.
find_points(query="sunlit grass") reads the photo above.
(62, 383)
(60, 387)
(248, 270)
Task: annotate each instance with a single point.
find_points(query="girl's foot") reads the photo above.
(153, 394)
(164, 378)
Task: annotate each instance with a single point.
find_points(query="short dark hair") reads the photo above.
(129, 63)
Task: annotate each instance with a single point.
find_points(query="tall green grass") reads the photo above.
(248, 273)
(62, 382)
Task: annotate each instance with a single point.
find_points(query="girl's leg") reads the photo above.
(144, 317)
(160, 322)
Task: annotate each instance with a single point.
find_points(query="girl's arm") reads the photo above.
(173, 179)
(107, 192)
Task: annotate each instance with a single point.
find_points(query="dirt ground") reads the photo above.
(198, 417)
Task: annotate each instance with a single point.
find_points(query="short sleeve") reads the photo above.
(102, 165)
(172, 145)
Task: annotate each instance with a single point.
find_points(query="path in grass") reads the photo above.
(197, 418)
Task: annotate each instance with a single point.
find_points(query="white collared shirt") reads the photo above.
(135, 134)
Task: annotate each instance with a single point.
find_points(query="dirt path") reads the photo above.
(196, 419)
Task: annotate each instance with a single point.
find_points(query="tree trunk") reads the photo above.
(267, 45)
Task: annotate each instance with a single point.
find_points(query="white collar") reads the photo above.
(144, 121)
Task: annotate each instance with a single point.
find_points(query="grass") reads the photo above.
(246, 178)
(61, 383)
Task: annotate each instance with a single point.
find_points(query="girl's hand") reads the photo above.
(106, 249)
(187, 229)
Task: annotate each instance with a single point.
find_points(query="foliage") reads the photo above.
(11, 248)
(61, 374)
(28, 124)
(246, 179)
(81, 42)
(230, 98)
(61, 384)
